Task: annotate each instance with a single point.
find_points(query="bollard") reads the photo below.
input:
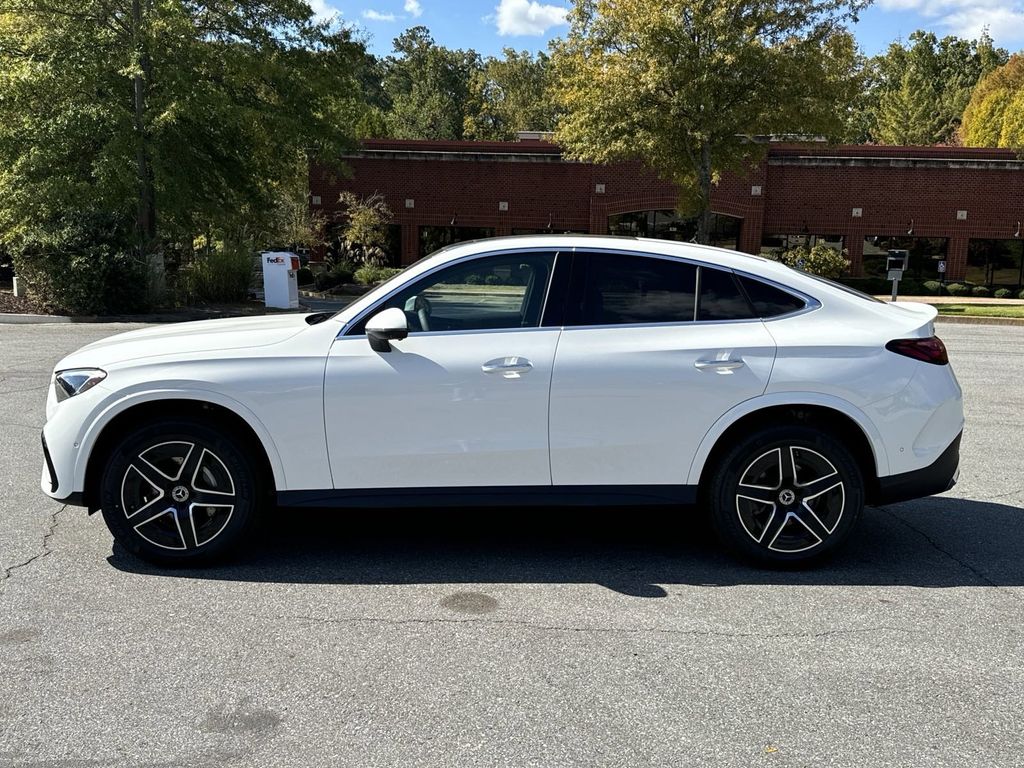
(19, 289)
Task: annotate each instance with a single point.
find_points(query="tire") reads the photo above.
(820, 502)
(181, 493)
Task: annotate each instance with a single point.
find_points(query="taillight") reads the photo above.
(930, 350)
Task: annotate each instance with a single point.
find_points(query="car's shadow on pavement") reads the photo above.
(937, 542)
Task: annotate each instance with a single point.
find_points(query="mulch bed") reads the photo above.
(11, 304)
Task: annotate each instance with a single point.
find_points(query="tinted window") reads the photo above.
(493, 292)
(619, 289)
(769, 301)
(721, 297)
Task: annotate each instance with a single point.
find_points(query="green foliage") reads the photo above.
(1020, 295)
(957, 289)
(917, 91)
(371, 275)
(427, 87)
(176, 117)
(995, 115)
(1003, 293)
(933, 287)
(341, 272)
(509, 95)
(304, 276)
(86, 267)
(979, 290)
(818, 260)
(677, 85)
(365, 231)
(223, 275)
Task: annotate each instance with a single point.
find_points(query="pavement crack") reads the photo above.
(962, 563)
(606, 630)
(50, 531)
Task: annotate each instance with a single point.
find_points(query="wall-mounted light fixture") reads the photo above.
(452, 222)
(910, 229)
(550, 217)
(1017, 233)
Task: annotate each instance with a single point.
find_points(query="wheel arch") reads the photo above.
(130, 413)
(841, 419)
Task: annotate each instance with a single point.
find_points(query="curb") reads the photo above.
(156, 318)
(975, 320)
(17, 319)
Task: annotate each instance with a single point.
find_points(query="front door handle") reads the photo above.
(511, 367)
(718, 365)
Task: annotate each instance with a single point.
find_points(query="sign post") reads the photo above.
(896, 265)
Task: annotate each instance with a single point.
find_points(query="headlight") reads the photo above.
(76, 381)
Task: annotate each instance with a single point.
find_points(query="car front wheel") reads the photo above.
(179, 493)
(786, 495)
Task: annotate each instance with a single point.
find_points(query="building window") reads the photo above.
(925, 255)
(669, 225)
(996, 263)
(529, 231)
(781, 243)
(433, 238)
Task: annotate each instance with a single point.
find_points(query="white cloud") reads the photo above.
(527, 17)
(372, 15)
(413, 8)
(323, 10)
(966, 18)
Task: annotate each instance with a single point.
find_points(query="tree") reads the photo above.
(917, 92)
(427, 87)
(509, 95)
(178, 116)
(680, 84)
(994, 117)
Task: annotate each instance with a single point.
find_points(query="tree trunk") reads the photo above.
(704, 188)
(146, 217)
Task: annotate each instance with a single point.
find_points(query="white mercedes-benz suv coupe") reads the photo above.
(556, 370)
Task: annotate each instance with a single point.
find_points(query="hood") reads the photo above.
(184, 339)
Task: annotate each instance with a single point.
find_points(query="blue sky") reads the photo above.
(490, 25)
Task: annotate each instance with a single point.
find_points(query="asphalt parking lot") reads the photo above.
(555, 639)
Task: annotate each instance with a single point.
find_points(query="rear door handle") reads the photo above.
(510, 367)
(718, 365)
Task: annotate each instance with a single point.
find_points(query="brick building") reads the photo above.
(963, 207)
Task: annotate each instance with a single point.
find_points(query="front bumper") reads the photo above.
(939, 476)
(51, 483)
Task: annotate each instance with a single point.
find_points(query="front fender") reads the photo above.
(121, 402)
(755, 404)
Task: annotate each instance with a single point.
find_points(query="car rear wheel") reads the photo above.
(786, 495)
(180, 493)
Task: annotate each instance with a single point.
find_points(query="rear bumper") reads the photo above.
(939, 476)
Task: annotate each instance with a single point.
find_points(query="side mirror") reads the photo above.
(389, 325)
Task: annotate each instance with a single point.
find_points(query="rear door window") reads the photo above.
(629, 289)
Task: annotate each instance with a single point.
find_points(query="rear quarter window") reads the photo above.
(769, 301)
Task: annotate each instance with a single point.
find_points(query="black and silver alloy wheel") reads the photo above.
(786, 495)
(178, 495)
(179, 492)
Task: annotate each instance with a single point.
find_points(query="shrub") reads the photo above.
(492, 280)
(1003, 293)
(956, 289)
(1021, 294)
(819, 260)
(85, 268)
(979, 290)
(340, 273)
(371, 275)
(304, 276)
(933, 286)
(221, 276)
